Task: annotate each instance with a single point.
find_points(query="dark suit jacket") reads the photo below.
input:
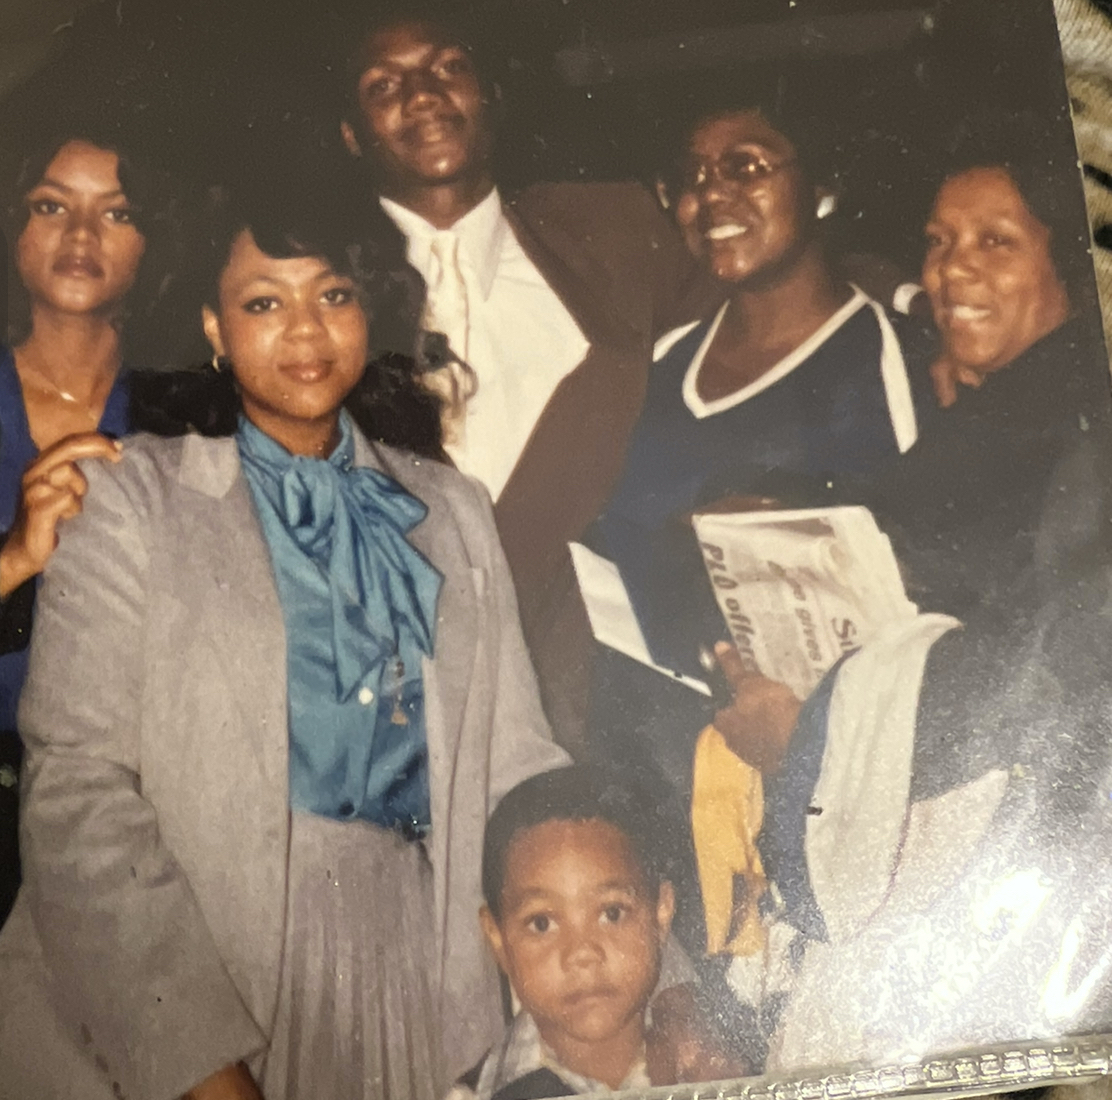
(623, 273)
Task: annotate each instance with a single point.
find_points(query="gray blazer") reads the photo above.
(145, 947)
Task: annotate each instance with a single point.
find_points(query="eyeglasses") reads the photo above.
(741, 166)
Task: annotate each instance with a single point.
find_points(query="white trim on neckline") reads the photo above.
(893, 369)
(782, 369)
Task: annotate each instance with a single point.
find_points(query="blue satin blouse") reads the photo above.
(359, 606)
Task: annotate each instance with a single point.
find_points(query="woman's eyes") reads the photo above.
(455, 64)
(990, 239)
(333, 296)
(260, 305)
(611, 914)
(539, 923)
(339, 295)
(739, 167)
(996, 240)
(47, 208)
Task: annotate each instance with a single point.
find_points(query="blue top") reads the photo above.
(359, 606)
(17, 452)
(813, 436)
(800, 440)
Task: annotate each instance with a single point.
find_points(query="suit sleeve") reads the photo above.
(138, 979)
(521, 740)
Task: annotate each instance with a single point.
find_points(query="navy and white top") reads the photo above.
(839, 407)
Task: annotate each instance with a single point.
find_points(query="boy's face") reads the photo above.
(580, 936)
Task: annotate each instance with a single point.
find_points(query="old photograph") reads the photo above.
(550, 546)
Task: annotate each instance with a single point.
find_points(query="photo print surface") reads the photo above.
(724, 508)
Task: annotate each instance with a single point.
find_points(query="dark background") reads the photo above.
(593, 89)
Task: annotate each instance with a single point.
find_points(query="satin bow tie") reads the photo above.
(351, 522)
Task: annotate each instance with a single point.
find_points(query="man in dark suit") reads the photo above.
(552, 298)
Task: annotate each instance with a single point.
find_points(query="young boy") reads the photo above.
(577, 913)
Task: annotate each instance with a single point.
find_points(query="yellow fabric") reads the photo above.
(727, 806)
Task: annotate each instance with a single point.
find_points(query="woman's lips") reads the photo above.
(725, 232)
(78, 267)
(306, 372)
(960, 313)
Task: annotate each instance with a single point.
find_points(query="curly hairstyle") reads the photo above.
(289, 218)
(1045, 174)
(809, 130)
(353, 26)
(155, 209)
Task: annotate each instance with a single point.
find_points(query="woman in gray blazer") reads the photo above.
(277, 684)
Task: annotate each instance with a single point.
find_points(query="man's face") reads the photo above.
(421, 114)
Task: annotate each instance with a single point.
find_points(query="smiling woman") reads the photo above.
(796, 384)
(1005, 492)
(297, 335)
(990, 276)
(286, 669)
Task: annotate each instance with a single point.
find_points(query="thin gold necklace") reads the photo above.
(44, 385)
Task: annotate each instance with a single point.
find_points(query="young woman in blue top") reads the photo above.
(78, 222)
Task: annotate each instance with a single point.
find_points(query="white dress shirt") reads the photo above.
(520, 338)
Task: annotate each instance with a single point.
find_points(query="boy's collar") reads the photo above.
(523, 1051)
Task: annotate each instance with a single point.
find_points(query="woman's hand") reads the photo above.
(230, 1083)
(681, 1045)
(52, 489)
(946, 376)
(758, 725)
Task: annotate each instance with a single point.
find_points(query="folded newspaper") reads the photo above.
(797, 590)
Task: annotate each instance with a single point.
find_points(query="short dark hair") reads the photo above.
(1045, 173)
(575, 793)
(155, 211)
(290, 216)
(809, 132)
(352, 31)
(327, 216)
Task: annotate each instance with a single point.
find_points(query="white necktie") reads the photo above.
(446, 308)
(446, 312)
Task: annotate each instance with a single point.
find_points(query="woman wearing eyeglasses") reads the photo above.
(796, 382)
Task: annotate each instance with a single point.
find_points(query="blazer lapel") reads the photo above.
(578, 445)
(235, 587)
(576, 288)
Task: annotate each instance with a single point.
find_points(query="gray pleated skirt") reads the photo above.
(357, 1016)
